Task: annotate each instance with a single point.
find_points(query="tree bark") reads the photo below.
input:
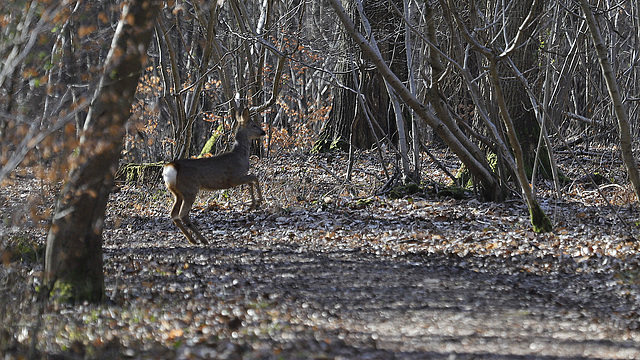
(73, 260)
(342, 121)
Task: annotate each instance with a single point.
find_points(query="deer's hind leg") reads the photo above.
(178, 204)
(183, 217)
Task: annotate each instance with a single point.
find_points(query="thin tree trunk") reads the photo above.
(73, 259)
(539, 220)
(415, 130)
(614, 93)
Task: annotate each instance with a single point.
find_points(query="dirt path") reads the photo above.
(285, 298)
(417, 310)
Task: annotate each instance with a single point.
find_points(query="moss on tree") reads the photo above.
(209, 145)
(401, 191)
(326, 144)
(73, 288)
(539, 220)
(149, 173)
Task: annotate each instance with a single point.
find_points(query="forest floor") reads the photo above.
(326, 269)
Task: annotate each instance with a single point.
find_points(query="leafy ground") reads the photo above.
(328, 270)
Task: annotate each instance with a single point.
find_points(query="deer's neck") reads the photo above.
(242, 145)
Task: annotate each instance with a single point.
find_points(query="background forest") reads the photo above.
(474, 73)
(506, 86)
(524, 111)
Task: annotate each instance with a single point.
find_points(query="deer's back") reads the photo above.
(220, 172)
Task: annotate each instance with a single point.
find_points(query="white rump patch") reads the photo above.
(170, 174)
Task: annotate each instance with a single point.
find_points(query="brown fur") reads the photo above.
(186, 177)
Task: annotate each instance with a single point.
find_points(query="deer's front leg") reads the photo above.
(260, 199)
(251, 180)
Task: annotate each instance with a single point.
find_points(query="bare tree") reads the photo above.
(207, 53)
(614, 93)
(449, 131)
(375, 118)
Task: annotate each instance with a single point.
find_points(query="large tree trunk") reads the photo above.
(335, 132)
(342, 121)
(73, 260)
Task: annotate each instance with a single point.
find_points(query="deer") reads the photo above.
(186, 177)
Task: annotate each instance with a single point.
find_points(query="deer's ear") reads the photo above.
(245, 114)
(242, 115)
